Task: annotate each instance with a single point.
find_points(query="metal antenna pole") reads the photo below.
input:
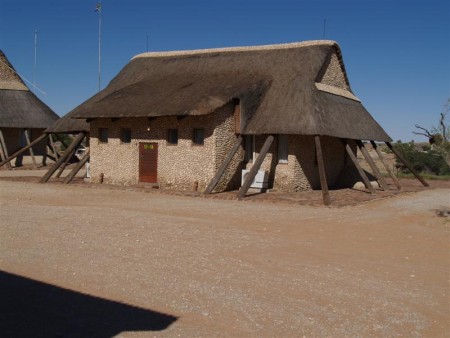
(35, 58)
(99, 7)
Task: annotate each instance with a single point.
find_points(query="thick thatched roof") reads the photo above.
(297, 88)
(19, 107)
(68, 125)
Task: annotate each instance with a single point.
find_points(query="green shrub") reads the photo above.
(430, 162)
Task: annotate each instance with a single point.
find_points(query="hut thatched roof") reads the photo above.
(19, 107)
(68, 125)
(297, 88)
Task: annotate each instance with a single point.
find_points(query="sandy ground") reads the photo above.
(87, 262)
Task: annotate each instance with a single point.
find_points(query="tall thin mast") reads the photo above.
(98, 9)
(35, 58)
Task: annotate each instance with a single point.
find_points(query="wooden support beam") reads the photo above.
(254, 170)
(5, 149)
(114, 119)
(17, 153)
(322, 173)
(27, 138)
(389, 171)
(77, 168)
(2, 154)
(406, 163)
(223, 166)
(91, 119)
(75, 143)
(52, 146)
(372, 165)
(358, 167)
(63, 166)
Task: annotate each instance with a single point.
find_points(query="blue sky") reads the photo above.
(396, 52)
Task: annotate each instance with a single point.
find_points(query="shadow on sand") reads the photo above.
(29, 308)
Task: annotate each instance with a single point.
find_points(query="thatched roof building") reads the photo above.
(297, 88)
(68, 125)
(19, 107)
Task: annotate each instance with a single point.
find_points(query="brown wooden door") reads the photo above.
(148, 162)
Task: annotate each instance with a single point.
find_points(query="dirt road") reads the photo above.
(79, 261)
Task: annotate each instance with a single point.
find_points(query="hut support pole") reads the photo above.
(389, 171)
(411, 169)
(2, 155)
(224, 166)
(358, 167)
(75, 143)
(372, 165)
(27, 138)
(52, 145)
(4, 150)
(254, 170)
(322, 173)
(66, 161)
(39, 139)
(77, 168)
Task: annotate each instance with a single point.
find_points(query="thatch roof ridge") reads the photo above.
(19, 107)
(68, 125)
(9, 79)
(283, 89)
(237, 49)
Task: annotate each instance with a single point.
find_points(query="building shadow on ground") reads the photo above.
(29, 308)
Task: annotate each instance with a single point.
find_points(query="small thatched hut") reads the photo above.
(23, 116)
(180, 119)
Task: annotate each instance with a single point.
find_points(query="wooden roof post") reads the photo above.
(254, 170)
(75, 143)
(4, 150)
(358, 167)
(2, 154)
(63, 166)
(223, 167)
(322, 173)
(372, 165)
(77, 168)
(52, 145)
(406, 163)
(389, 171)
(17, 153)
(27, 138)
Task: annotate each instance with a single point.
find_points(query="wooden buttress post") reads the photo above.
(372, 165)
(75, 143)
(254, 170)
(4, 150)
(17, 153)
(322, 172)
(389, 171)
(27, 138)
(406, 163)
(77, 168)
(358, 167)
(66, 161)
(224, 166)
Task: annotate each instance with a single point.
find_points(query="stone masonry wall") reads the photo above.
(179, 166)
(334, 75)
(301, 171)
